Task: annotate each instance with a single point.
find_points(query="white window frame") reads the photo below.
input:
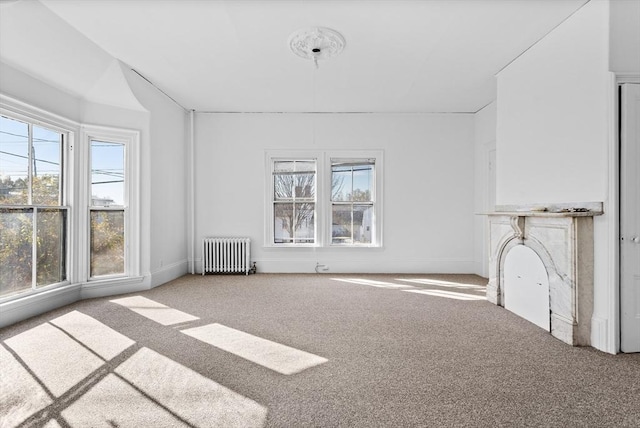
(270, 158)
(131, 141)
(20, 111)
(323, 195)
(374, 199)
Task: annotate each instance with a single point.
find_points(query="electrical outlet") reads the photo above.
(321, 267)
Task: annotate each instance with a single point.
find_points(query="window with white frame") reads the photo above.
(353, 201)
(323, 199)
(112, 203)
(46, 173)
(33, 214)
(294, 201)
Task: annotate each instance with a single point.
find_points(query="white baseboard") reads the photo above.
(169, 273)
(114, 287)
(20, 309)
(367, 266)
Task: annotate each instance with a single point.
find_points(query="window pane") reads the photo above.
(46, 167)
(107, 242)
(51, 246)
(16, 226)
(305, 186)
(294, 223)
(294, 179)
(283, 166)
(304, 218)
(362, 183)
(107, 173)
(14, 162)
(362, 224)
(283, 186)
(340, 183)
(282, 220)
(341, 224)
(306, 166)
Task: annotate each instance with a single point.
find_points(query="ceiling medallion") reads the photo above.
(316, 43)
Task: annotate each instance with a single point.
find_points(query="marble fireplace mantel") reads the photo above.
(562, 236)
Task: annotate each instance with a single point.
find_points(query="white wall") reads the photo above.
(624, 55)
(34, 92)
(552, 115)
(165, 189)
(553, 136)
(428, 186)
(484, 183)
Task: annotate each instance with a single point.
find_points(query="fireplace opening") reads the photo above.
(526, 286)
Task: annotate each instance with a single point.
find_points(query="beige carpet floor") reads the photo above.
(304, 350)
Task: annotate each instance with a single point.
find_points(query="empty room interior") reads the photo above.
(290, 213)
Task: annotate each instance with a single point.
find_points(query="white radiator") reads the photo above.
(226, 255)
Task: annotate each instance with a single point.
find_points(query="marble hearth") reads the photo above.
(562, 236)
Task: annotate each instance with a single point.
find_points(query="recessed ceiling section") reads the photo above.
(400, 55)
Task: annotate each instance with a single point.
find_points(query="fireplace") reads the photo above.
(561, 235)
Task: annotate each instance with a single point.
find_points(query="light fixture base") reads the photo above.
(316, 43)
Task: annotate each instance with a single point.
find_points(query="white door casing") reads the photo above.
(630, 218)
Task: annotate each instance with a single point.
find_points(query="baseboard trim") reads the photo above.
(26, 307)
(453, 266)
(169, 273)
(91, 290)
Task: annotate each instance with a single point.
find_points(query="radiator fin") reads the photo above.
(226, 255)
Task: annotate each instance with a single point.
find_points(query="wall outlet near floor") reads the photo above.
(321, 268)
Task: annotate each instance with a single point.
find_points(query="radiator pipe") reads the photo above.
(192, 193)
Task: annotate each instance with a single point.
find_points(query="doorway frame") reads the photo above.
(613, 332)
(614, 191)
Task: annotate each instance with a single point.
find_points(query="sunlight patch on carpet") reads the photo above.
(96, 336)
(192, 397)
(275, 356)
(20, 395)
(373, 283)
(439, 283)
(114, 403)
(448, 294)
(55, 358)
(154, 311)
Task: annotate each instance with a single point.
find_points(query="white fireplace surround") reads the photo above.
(562, 236)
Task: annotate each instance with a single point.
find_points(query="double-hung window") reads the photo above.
(323, 199)
(112, 192)
(33, 215)
(294, 201)
(352, 201)
(107, 211)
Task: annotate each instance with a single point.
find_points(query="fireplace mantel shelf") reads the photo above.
(544, 213)
(569, 209)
